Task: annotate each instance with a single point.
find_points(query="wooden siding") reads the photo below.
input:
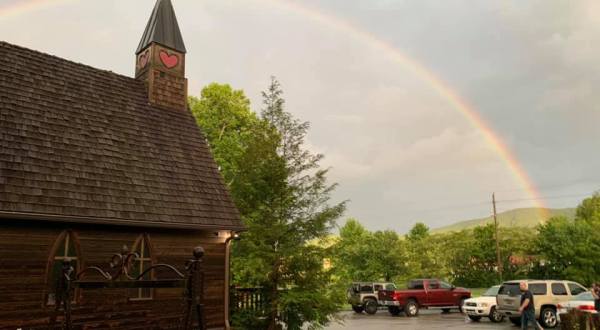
(25, 249)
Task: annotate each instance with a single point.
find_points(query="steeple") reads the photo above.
(160, 60)
(162, 28)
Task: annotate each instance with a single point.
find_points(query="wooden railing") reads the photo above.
(250, 300)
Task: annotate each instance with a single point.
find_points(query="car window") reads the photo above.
(492, 292)
(584, 296)
(538, 289)
(378, 287)
(366, 288)
(510, 289)
(559, 289)
(445, 285)
(390, 286)
(434, 284)
(576, 289)
(415, 285)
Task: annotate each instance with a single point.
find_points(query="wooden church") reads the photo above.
(91, 161)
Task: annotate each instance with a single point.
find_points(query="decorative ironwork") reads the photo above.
(192, 283)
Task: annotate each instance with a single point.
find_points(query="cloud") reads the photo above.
(396, 147)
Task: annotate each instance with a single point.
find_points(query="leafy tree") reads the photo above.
(569, 249)
(284, 199)
(589, 209)
(418, 232)
(388, 255)
(351, 253)
(360, 255)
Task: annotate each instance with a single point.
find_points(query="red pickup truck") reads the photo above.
(424, 293)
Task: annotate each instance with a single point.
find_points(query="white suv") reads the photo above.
(484, 306)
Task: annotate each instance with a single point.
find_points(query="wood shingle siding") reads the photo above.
(82, 144)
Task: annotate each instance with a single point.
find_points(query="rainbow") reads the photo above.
(441, 87)
(22, 6)
(394, 54)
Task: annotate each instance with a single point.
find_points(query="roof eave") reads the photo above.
(115, 221)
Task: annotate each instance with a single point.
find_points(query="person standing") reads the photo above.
(595, 291)
(527, 308)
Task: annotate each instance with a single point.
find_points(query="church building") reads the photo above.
(91, 161)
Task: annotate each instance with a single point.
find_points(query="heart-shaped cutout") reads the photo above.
(143, 59)
(170, 61)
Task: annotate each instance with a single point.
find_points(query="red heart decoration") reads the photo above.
(170, 61)
(144, 59)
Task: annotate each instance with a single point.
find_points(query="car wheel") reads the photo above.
(515, 320)
(370, 306)
(411, 309)
(461, 304)
(495, 316)
(475, 318)
(394, 310)
(357, 309)
(445, 310)
(548, 317)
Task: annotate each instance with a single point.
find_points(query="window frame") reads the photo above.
(559, 285)
(70, 238)
(576, 285)
(142, 240)
(539, 285)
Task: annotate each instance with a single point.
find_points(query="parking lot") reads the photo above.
(430, 320)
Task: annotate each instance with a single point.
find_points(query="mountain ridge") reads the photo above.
(520, 217)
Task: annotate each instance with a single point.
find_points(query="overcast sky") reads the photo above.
(400, 152)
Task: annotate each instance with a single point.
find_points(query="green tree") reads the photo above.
(360, 255)
(388, 256)
(425, 253)
(418, 232)
(589, 209)
(351, 253)
(284, 199)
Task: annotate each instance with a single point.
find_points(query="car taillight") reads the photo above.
(396, 296)
(559, 306)
(586, 308)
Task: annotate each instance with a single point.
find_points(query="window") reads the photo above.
(538, 289)
(576, 289)
(559, 289)
(65, 247)
(510, 289)
(140, 265)
(445, 285)
(434, 285)
(390, 287)
(378, 287)
(366, 287)
(415, 285)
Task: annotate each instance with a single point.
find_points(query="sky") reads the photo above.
(398, 150)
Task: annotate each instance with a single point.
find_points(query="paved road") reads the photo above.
(430, 320)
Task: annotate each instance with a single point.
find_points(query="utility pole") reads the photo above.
(498, 259)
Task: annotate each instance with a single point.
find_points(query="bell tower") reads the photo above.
(160, 59)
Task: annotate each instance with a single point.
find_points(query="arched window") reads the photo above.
(141, 264)
(65, 247)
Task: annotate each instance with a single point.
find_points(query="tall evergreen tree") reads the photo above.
(297, 281)
(284, 198)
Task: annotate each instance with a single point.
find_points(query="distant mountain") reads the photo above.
(526, 217)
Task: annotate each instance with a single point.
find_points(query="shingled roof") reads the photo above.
(82, 144)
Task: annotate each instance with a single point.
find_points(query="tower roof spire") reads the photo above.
(162, 28)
